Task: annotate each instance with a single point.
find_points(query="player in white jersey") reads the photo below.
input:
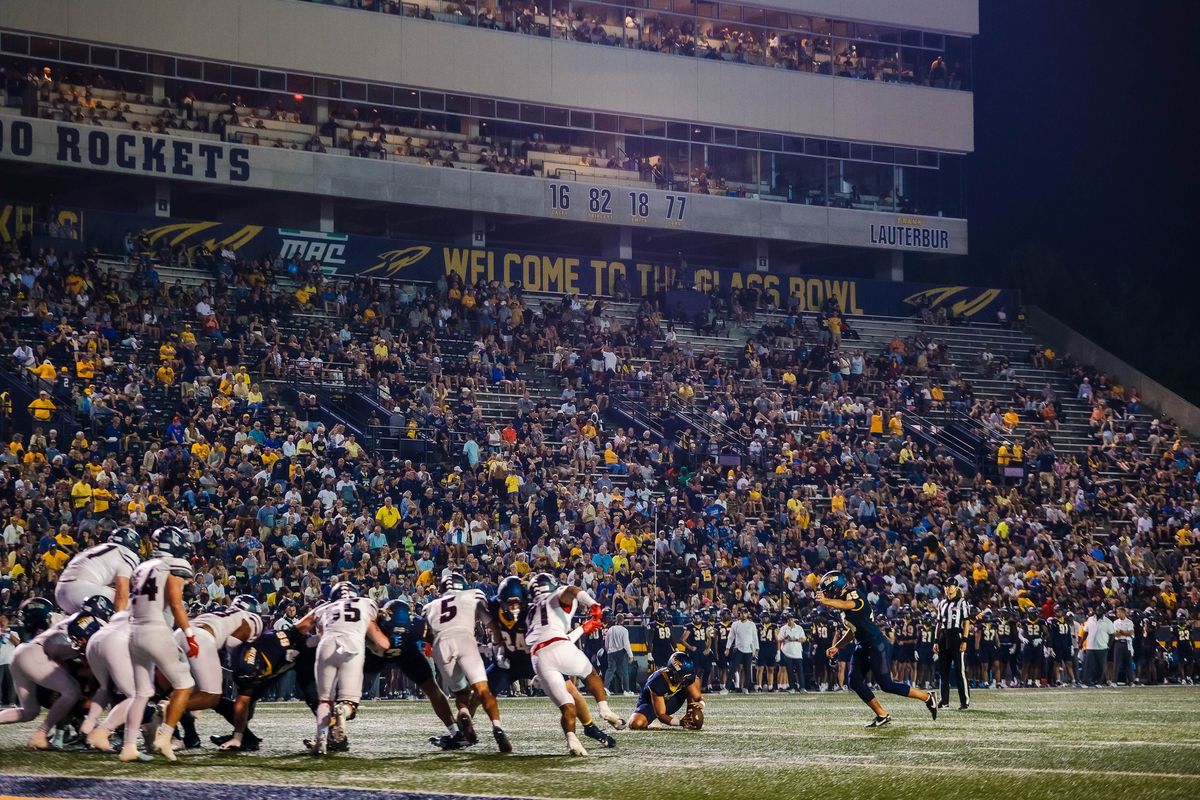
(344, 624)
(556, 658)
(452, 619)
(105, 570)
(215, 631)
(157, 588)
(108, 658)
(40, 663)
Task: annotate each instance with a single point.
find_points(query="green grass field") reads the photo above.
(1112, 743)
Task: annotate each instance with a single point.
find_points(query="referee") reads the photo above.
(950, 643)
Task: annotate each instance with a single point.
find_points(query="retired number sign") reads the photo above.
(616, 204)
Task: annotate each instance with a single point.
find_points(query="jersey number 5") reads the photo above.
(349, 612)
(449, 611)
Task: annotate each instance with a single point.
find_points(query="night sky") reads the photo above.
(1084, 185)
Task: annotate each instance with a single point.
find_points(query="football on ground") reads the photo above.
(1136, 743)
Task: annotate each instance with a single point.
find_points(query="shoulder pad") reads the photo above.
(178, 566)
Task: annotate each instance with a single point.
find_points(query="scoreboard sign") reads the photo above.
(623, 206)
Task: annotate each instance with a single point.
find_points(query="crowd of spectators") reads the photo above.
(694, 37)
(161, 403)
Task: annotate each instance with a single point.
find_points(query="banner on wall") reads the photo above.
(391, 259)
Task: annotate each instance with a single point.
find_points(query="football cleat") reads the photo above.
(574, 746)
(932, 705)
(614, 720)
(164, 746)
(97, 739)
(502, 741)
(448, 742)
(593, 732)
(467, 727)
(316, 747)
(880, 722)
(133, 754)
(39, 740)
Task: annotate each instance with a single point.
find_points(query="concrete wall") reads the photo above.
(327, 40)
(112, 151)
(948, 16)
(1067, 340)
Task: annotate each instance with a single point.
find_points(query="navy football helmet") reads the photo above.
(127, 537)
(170, 540)
(81, 628)
(33, 616)
(98, 606)
(343, 590)
(251, 665)
(681, 668)
(834, 584)
(511, 597)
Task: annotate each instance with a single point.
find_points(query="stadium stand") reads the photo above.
(753, 36)
(308, 429)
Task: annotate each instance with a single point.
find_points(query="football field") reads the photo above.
(1102, 743)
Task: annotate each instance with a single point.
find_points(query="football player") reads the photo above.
(985, 645)
(452, 618)
(105, 569)
(108, 658)
(824, 675)
(215, 632)
(1032, 634)
(659, 636)
(870, 652)
(345, 624)
(665, 692)
(695, 643)
(1006, 645)
(1062, 641)
(506, 625)
(768, 655)
(513, 661)
(157, 587)
(257, 667)
(405, 632)
(556, 658)
(40, 662)
(926, 658)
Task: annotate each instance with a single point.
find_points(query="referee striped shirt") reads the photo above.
(952, 615)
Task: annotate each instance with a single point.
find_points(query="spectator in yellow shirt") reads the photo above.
(388, 515)
(81, 494)
(55, 558)
(42, 408)
(896, 425)
(165, 375)
(45, 371)
(101, 499)
(166, 352)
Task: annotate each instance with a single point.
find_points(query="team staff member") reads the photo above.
(791, 649)
(870, 651)
(953, 628)
(741, 646)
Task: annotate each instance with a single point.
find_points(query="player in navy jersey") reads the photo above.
(871, 649)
